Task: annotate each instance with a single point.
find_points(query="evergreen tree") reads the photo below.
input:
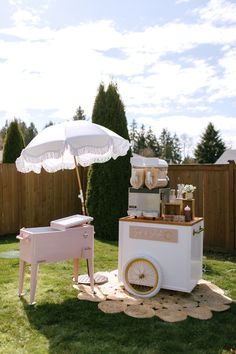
(141, 140)
(13, 143)
(176, 149)
(3, 131)
(107, 191)
(1, 143)
(144, 142)
(211, 146)
(48, 124)
(133, 135)
(28, 132)
(79, 114)
(188, 160)
(152, 143)
(170, 149)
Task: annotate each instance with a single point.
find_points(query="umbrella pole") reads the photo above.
(81, 196)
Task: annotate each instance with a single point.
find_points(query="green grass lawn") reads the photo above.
(60, 323)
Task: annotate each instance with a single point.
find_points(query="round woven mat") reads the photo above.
(167, 305)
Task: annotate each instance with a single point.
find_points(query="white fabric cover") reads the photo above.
(141, 161)
(54, 148)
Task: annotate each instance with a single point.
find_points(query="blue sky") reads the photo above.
(174, 61)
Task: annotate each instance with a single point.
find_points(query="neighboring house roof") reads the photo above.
(226, 156)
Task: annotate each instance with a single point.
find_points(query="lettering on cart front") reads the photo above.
(153, 234)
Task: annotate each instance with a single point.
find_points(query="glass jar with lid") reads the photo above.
(155, 173)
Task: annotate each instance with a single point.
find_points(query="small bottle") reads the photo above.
(187, 213)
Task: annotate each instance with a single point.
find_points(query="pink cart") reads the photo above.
(45, 244)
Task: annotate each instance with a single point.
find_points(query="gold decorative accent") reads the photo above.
(141, 276)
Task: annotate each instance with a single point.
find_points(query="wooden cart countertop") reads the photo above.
(160, 221)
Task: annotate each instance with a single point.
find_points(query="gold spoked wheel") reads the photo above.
(142, 276)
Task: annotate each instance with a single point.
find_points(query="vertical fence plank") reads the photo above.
(234, 203)
(216, 207)
(9, 199)
(213, 201)
(1, 201)
(231, 234)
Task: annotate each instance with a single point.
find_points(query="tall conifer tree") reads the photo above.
(170, 147)
(79, 114)
(107, 191)
(211, 146)
(13, 143)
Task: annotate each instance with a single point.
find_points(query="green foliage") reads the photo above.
(141, 141)
(188, 160)
(211, 146)
(60, 323)
(107, 192)
(48, 124)
(79, 114)
(152, 143)
(170, 147)
(144, 142)
(133, 134)
(28, 133)
(3, 133)
(13, 143)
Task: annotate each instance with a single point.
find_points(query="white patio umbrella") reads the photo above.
(64, 145)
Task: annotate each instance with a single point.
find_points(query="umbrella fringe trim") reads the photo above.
(26, 163)
(110, 150)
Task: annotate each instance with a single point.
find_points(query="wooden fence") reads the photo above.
(215, 200)
(34, 200)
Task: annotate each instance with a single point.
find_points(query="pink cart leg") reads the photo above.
(33, 282)
(21, 277)
(90, 271)
(76, 269)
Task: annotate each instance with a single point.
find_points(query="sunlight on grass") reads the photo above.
(60, 323)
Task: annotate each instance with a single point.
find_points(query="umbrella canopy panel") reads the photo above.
(55, 147)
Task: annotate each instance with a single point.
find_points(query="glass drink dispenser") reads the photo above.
(156, 173)
(150, 171)
(137, 172)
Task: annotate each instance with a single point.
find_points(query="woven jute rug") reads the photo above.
(168, 305)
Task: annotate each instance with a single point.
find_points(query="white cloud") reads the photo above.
(25, 16)
(220, 11)
(15, 2)
(224, 85)
(58, 70)
(181, 1)
(176, 38)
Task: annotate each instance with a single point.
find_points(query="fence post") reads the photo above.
(232, 237)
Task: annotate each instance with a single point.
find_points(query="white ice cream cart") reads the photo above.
(156, 254)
